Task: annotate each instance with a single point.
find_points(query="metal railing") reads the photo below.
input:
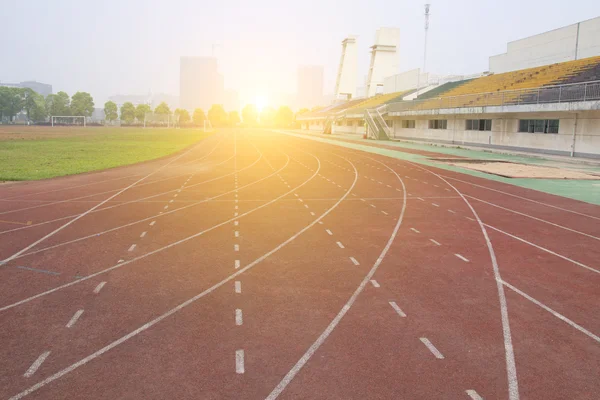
(587, 91)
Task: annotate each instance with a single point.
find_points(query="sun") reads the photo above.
(260, 102)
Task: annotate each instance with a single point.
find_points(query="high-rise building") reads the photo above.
(200, 84)
(310, 86)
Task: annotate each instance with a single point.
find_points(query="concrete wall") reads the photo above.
(348, 69)
(354, 128)
(384, 58)
(505, 133)
(568, 43)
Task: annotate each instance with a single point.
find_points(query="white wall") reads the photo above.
(384, 58)
(558, 45)
(348, 70)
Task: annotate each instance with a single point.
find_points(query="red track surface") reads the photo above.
(308, 223)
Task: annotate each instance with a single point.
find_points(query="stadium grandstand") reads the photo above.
(550, 104)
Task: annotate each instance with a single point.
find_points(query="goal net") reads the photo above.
(68, 120)
(161, 120)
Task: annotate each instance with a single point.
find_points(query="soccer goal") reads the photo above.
(67, 120)
(207, 125)
(160, 120)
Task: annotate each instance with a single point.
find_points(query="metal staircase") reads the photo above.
(376, 126)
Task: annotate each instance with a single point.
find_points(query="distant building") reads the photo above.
(152, 99)
(41, 88)
(310, 86)
(200, 84)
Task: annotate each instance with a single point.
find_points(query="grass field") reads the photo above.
(29, 153)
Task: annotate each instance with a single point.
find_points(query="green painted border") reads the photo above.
(582, 190)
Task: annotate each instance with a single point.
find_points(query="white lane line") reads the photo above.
(372, 205)
(389, 186)
(143, 234)
(237, 264)
(306, 206)
(435, 205)
(462, 258)
(420, 199)
(341, 246)
(375, 283)
(99, 287)
(37, 363)
(236, 223)
(415, 230)
(397, 309)
(236, 200)
(328, 232)
(120, 261)
(383, 212)
(236, 233)
(470, 219)
(435, 185)
(551, 311)
(474, 395)
(131, 247)
(362, 200)
(239, 361)
(239, 319)
(235, 214)
(238, 287)
(320, 222)
(300, 200)
(152, 223)
(312, 213)
(447, 189)
(452, 211)
(235, 207)
(175, 195)
(296, 194)
(236, 247)
(432, 348)
(354, 261)
(74, 318)
(435, 242)
(166, 207)
(170, 201)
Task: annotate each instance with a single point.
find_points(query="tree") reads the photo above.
(198, 117)
(162, 108)
(128, 112)
(82, 104)
(110, 111)
(12, 101)
(184, 115)
(234, 118)
(141, 110)
(302, 111)
(217, 115)
(267, 116)
(34, 106)
(58, 104)
(249, 114)
(284, 117)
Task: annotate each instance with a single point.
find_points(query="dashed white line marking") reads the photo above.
(239, 361)
(415, 230)
(320, 222)
(375, 283)
(236, 233)
(152, 223)
(397, 309)
(237, 263)
(312, 213)
(328, 232)
(238, 286)
(435, 242)
(462, 258)
(296, 194)
(432, 348)
(389, 186)
(300, 200)
(170, 201)
(37, 363)
(236, 223)
(474, 395)
(74, 318)
(306, 206)
(362, 200)
(165, 207)
(420, 199)
(239, 320)
(99, 287)
(435, 205)
(132, 247)
(143, 234)
(235, 207)
(452, 211)
(235, 214)
(121, 260)
(236, 247)
(469, 218)
(354, 261)
(176, 194)
(372, 205)
(341, 246)
(383, 212)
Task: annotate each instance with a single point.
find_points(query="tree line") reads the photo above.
(37, 108)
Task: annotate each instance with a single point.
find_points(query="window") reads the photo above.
(478, 125)
(538, 125)
(361, 123)
(438, 124)
(408, 123)
(348, 123)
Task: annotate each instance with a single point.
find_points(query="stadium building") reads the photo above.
(542, 95)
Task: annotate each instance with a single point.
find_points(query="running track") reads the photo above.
(260, 265)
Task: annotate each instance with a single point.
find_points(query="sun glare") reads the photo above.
(260, 103)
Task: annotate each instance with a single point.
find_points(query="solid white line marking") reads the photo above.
(236, 247)
(238, 287)
(239, 320)
(74, 318)
(354, 261)
(462, 258)
(328, 232)
(237, 264)
(239, 361)
(340, 245)
(34, 367)
(143, 234)
(474, 395)
(551, 311)
(432, 348)
(375, 283)
(436, 242)
(397, 309)
(99, 287)
(236, 233)
(435, 205)
(152, 223)
(132, 247)
(415, 230)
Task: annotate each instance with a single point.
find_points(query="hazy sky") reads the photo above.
(109, 47)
